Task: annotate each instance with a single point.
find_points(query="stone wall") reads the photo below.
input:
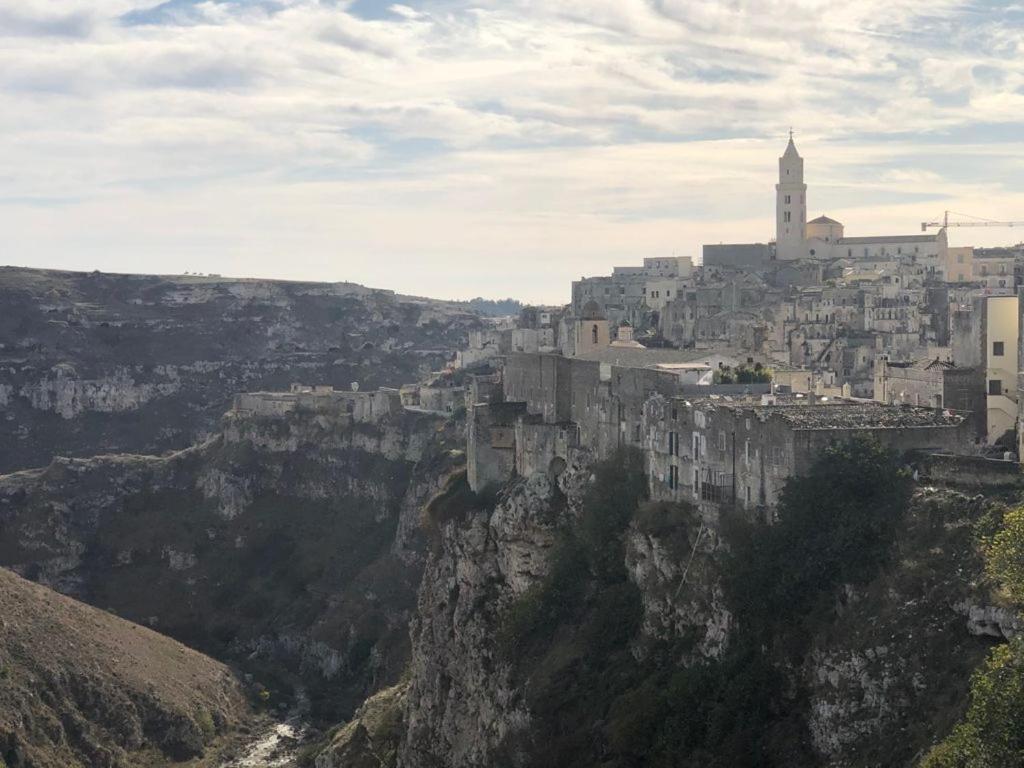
(543, 447)
(970, 471)
(491, 443)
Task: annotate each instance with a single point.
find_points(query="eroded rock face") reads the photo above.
(991, 621)
(881, 676)
(93, 364)
(461, 703)
(372, 737)
(871, 684)
(681, 592)
(289, 544)
(859, 695)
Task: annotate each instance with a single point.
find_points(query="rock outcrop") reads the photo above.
(880, 677)
(97, 363)
(461, 704)
(290, 545)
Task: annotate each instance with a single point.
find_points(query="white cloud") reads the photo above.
(550, 136)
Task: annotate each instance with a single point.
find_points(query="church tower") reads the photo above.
(791, 206)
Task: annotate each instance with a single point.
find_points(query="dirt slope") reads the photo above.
(80, 687)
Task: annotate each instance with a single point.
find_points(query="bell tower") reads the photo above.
(791, 206)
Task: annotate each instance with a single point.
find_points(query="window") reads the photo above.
(997, 348)
(995, 387)
(788, 200)
(959, 258)
(671, 443)
(787, 217)
(593, 334)
(721, 440)
(673, 477)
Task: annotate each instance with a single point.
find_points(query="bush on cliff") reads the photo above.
(571, 638)
(834, 526)
(992, 730)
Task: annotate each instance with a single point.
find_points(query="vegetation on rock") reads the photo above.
(992, 730)
(595, 700)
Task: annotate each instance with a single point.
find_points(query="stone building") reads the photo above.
(790, 206)
(363, 407)
(934, 383)
(715, 453)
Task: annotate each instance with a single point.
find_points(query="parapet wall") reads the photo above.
(970, 471)
(362, 407)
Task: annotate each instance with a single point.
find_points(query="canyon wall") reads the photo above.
(103, 363)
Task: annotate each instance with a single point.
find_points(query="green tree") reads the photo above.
(1004, 556)
(834, 526)
(992, 733)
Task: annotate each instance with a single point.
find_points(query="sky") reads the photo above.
(493, 148)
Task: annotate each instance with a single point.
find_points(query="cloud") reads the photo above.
(467, 138)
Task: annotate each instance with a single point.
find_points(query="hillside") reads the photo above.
(80, 688)
(95, 363)
(289, 545)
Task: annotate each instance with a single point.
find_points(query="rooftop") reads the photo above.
(855, 415)
(886, 240)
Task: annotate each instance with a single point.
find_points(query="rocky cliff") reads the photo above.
(80, 688)
(101, 363)
(290, 545)
(531, 648)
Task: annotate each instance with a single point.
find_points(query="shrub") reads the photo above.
(991, 734)
(1004, 556)
(835, 526)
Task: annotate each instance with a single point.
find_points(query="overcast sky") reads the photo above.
(489, 147)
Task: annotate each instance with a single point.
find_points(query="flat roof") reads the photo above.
(855, 415)
(892, 239)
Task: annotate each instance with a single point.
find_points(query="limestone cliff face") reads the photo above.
(679, 585)
(96, 363)
(460, 704)
(883, 680)
(291, 544)
(890, 676)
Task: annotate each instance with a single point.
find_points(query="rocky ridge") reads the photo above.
(102, 363)
(290, 545)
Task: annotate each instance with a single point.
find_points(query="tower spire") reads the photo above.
(790, 205)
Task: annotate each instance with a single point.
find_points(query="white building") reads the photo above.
(790, 206)
(825, 239)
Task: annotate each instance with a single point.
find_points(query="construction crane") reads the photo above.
(977, 222)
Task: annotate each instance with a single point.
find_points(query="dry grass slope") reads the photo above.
(80, 687)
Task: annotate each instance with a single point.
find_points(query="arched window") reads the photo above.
(593, 334)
